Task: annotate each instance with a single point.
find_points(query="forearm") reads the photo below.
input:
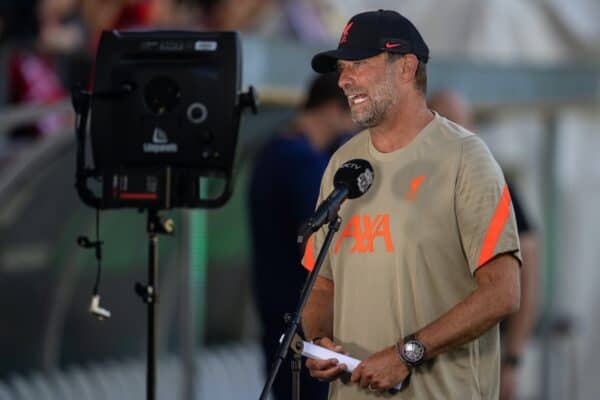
(496, 297)
(317, 317)
(466, 321)
(520, 325)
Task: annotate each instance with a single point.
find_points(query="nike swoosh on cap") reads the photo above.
(389, 45)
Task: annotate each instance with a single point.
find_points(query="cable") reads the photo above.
(98, 254)
(95, 309)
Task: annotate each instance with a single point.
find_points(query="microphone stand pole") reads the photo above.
(294, 321)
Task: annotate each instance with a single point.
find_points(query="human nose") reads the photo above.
(345, 78)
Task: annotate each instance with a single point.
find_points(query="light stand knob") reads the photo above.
(249, 99)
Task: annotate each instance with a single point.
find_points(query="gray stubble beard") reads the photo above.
(383, 98)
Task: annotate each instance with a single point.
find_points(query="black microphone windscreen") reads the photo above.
(357, 175)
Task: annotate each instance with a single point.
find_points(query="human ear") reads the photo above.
(409, 66)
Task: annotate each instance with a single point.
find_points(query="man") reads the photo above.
(517, 328)
(427, 261)
(283, 189)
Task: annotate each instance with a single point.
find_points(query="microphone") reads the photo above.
(351, 180)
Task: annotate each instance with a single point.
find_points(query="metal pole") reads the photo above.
(551, 205)
(187, 309)
(152, 289)
(292, 325)
(296, 368)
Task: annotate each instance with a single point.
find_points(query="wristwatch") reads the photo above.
(412, 352)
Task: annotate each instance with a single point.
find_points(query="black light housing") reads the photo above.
(165, 111)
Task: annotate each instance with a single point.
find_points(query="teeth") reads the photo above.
(357, 98)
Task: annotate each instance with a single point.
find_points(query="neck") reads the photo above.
(403, 123)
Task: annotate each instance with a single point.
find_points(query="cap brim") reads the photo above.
(326, 61)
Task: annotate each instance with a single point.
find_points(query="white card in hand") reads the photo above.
(313, 351)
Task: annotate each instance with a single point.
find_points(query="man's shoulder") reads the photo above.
(450, 131)
(451, 136)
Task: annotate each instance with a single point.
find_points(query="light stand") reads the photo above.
(164, 112)
(149, 293)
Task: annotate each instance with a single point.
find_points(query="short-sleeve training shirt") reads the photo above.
(407, 251)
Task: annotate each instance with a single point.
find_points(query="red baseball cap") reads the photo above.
(370, 33)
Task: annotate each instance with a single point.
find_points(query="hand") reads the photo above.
(508, 382)
(326, 370)
(381, 371)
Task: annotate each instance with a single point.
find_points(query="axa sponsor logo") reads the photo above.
(364, 231)
(160, 143)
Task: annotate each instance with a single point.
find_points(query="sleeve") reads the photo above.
(483, 206)
(316, 240)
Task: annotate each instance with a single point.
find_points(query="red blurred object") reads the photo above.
(34, 80)
(135, 15)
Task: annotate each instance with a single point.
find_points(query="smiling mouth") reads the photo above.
(357, 98)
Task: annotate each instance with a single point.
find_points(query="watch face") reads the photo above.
(413, 352)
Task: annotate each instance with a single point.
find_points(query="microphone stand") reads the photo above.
(294, 321)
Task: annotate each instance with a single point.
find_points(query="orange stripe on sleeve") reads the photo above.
(309, 255)
(496, 227)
